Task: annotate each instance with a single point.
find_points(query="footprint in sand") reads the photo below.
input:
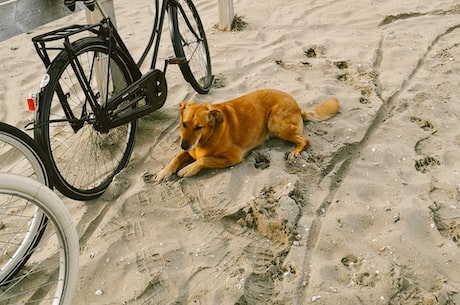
(261, 216)
(355, 274)
(264, 264)
(158, 291)
(314, 51)
(262, 160)
(445, 213)
(341, 64)
(425, 164)
(426, 146)
(149, 262)
(424, 124)
(168, 195)
(259, 256)
(271, 237)
(258, 289)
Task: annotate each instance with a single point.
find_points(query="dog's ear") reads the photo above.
(183, 105)
(216, 115)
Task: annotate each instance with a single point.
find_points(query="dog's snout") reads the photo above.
(185, 145)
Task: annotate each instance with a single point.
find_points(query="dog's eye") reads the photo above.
(184, 125)
(198, 128)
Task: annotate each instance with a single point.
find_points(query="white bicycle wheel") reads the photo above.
(50, 276)
(19, 154)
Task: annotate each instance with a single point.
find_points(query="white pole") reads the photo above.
(226, 14)
(95, 16)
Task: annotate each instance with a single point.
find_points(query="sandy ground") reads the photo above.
(369, 214)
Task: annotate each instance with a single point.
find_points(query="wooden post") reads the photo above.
(226, 15)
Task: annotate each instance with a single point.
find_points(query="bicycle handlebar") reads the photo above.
(71, 4)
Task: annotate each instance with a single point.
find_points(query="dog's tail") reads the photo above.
(322, 112)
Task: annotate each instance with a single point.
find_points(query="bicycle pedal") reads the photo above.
(176, 60)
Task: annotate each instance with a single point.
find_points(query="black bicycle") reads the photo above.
(94, 92)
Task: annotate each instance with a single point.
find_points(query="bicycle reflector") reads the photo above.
(32, 102)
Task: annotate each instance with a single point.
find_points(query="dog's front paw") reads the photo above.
(164, 174)
(292, 155)
(189, 170)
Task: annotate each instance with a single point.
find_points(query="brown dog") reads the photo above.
(220, 135)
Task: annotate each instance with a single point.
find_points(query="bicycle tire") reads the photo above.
(58, 267)
(189, 42)
(33, 165)
(84, 162)
(19, 154)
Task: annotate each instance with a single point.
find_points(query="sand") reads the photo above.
(369, 214)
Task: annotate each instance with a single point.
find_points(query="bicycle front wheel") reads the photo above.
(83, 157)
(51, 274)
(190, 44)
(19, 154)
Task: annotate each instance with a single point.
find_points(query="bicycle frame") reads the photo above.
(156, 32)
(151, 86)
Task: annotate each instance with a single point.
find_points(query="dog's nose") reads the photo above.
(184, 145)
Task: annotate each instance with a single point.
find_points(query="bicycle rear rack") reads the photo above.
(42, 42)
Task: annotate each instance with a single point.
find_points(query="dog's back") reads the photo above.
(261, 100)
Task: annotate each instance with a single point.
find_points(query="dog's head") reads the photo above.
(197, 123)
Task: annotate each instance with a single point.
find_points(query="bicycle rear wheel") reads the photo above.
(84, 159)
(189, 42)
(51, 274)
(19, 154)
